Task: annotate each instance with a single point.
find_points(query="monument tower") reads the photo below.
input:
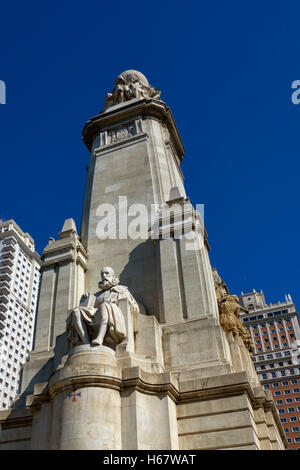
(138, 342)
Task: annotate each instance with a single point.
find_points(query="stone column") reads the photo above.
(62, 284)
(186, 286)
(135, 159)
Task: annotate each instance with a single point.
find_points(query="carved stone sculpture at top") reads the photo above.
(98, 317)
(129, 85)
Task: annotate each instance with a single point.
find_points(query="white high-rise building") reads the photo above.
(19, 287)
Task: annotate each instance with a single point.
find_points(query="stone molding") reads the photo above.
(132, 110)
(131, 378)
(67, 249)
(107, 148)
(135, 379)
(15, 418)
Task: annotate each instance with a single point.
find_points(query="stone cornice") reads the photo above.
(67, 249)
(120, 144)
(143, 109)
(15, 418)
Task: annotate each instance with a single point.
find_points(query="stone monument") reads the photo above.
(158, 357)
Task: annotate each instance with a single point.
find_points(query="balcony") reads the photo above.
(3, 311)
(2, 316)
(9, 249)
(5, 277)
(3, 306)
(4, 288)
(10, 239)
(6, 269)
(8, 255)
(3, 298)
(2, 326)
(4, 261)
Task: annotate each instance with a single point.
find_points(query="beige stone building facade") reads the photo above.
(138, 342)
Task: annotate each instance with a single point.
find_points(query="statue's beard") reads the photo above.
(108, 283)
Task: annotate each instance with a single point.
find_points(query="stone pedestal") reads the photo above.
(85, 404)
(92, 404)
(62, 284)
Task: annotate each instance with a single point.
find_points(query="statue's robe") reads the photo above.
(109, 299)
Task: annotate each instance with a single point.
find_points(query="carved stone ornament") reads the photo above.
(229, 309)
(129, 85)
(99, 319)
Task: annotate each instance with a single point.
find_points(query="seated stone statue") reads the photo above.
(98, 316)
(128, 85)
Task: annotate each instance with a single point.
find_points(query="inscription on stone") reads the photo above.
(121, 133)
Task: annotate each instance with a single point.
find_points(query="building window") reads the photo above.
(295, 429)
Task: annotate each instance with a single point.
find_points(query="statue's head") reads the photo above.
(108, 278)
(234, 298)
(133, 76)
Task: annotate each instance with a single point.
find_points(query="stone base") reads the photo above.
(227, 413)
(91, 403)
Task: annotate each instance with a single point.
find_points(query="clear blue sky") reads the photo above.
(225, 68)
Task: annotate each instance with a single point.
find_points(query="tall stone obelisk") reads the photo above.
(158, 358)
